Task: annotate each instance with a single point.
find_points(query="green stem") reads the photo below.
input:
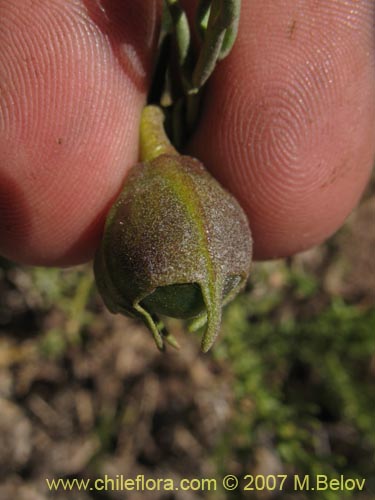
(153, 139)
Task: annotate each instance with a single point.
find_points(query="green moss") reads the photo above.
(302, 383)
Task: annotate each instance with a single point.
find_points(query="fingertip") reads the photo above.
(74, 81)
(289, 119)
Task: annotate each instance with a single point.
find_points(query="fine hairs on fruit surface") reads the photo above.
(175, 242)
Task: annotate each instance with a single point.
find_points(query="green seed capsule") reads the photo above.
(175, 242)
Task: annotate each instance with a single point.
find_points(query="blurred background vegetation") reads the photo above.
(287, 389)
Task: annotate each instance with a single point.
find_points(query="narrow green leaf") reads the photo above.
(219, 38)
(231, 32)
(181, 29)
(202, 16)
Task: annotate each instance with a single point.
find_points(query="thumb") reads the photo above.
(73, 80)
